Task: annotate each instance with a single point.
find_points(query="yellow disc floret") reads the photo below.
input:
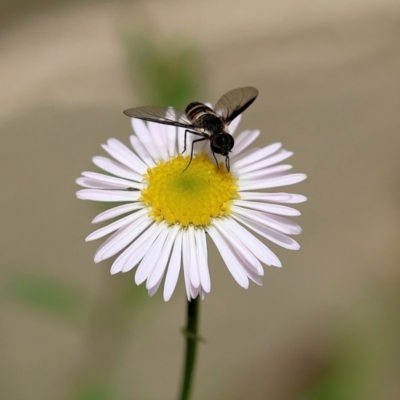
(192, 196)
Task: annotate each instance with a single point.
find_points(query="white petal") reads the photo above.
(151, 257)
(158, 134)
(243, 140)
(269, 208)
(257, 155)
(125, 155)
(194, 271)
(274, 197)
(234, 124)
(145, 137)
(270, 234)
(116, 168)
(173, 268)
(280, 224)
(117, 211)
(272, 183)
(248, 259)
(95, 184)
(108, 195)
(118, 182)
(231, 261)
(158, 272)
(266, 162)
(186, 264)
(105, 230)
(201, 245)
(121, 239)
(266, 172)
(172, 142)
(259, 249)
(180, 139)
(142, 151)
(153, 290)
(136, 251)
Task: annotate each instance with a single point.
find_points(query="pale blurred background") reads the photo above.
(324, 327)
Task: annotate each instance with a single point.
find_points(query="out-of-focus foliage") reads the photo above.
(48, 295)
(355, 365)
(99, 391)
(164, 74)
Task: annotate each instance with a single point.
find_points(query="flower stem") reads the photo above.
(191, 347)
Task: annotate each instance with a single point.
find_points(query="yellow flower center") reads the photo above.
(192, 196)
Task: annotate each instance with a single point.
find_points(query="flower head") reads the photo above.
(169, 209)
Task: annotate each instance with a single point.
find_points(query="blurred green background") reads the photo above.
(324, 327)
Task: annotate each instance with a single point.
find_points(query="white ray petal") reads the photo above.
(158, 133)
(267, 161)
(235, 267)
(153, 290)
(276, 237)
(118, 182)
(132, 159)
(108, 195)
(269, 208)
(171, 136)
(258, 248)
(158, 272)
(151, 257)
(121, 239)
(273, 182)
(186, 264)
(244, 140)
(266, 172)
(273, 197)
(234, 124)
(117, 211)
(136, 251)
(254, 277)
(141, 150)
(143, 134)
(174, 267)
(180, 139)
(193, 267)
(247, 257)
(201, 245)
(260, 154)
(116, 168)
(280, 224)
(121, 223)
(95, 184)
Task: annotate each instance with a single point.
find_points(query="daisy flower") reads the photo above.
(167, 211)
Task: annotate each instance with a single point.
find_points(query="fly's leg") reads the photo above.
(227, 163)
(216, 161)
(194, 133)
(191, 153)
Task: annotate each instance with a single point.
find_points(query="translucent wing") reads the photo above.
(233, 103)
(161, 115)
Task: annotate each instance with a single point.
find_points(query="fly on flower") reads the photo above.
(202, 120)
(166, 217)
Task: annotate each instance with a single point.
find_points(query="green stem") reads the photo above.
(191, 347)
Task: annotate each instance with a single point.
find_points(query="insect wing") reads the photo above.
(233, 103)
(161, 115)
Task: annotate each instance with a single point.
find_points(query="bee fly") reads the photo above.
(202, 120)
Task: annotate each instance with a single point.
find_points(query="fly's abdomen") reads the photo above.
(196, 110)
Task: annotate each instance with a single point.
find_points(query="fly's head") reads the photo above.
(222, 144)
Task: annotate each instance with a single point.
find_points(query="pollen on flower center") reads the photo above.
(192, 196)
